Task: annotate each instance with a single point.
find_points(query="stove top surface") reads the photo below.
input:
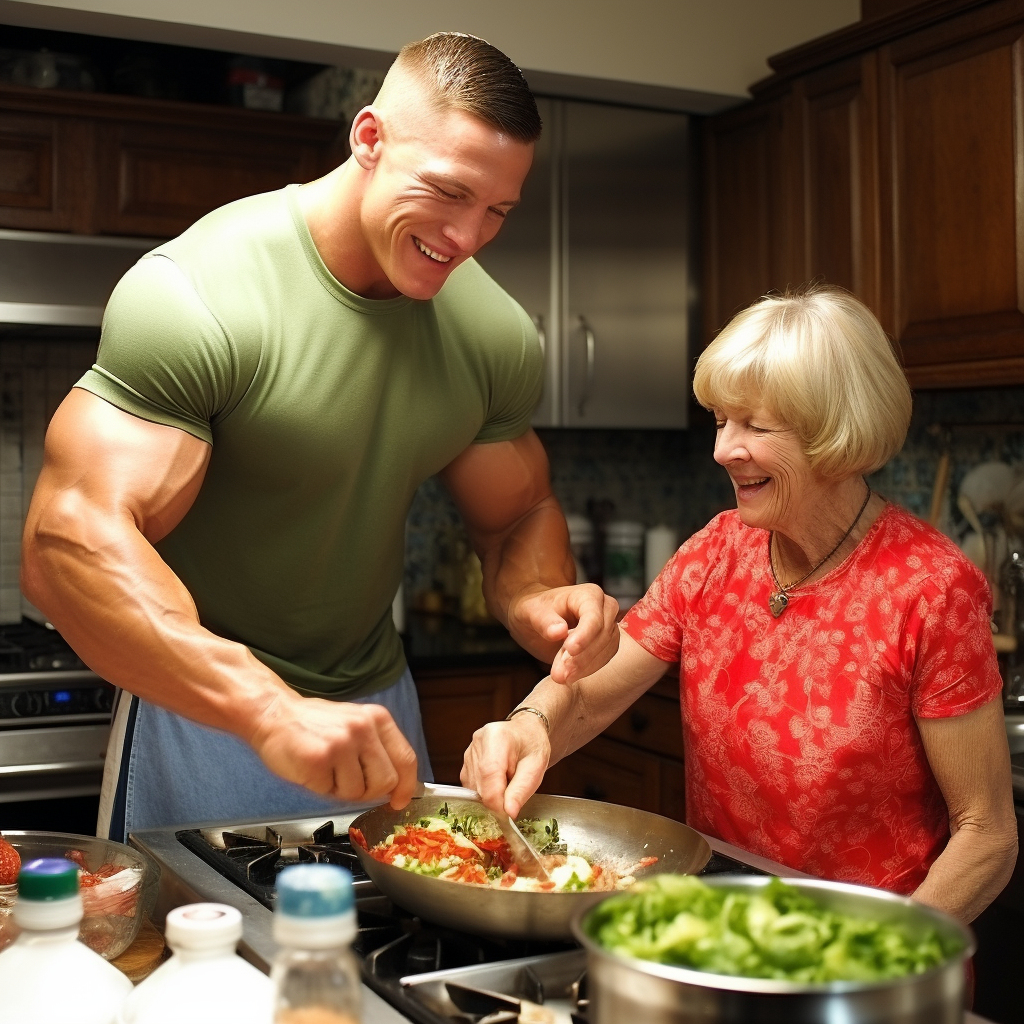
(431, 974)
(27, 646)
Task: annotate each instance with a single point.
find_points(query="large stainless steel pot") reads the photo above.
(623, 990)
(601, 832)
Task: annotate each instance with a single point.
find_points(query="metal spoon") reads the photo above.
(523, 853)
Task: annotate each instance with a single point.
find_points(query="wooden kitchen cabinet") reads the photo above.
(745, 222)
(637, 761)
(45, 172)
(455, 703)
(952, 147)
(97, 164)
(887, 158)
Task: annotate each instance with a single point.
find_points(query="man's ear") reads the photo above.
(365, 138)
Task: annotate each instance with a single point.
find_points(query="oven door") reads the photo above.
(52, 762)
(54, 728)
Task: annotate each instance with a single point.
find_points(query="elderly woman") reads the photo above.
(839, 687)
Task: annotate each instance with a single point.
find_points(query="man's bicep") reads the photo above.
(119, 464)
(496, 484)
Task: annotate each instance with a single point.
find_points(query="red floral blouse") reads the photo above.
(799, 732)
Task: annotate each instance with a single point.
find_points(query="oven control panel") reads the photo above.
(71, 697)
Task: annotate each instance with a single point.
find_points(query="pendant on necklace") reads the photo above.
(777, 603)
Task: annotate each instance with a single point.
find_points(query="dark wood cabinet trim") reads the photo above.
(869, 35)
(105, 107)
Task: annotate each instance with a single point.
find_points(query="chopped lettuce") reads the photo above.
(775, 932)
(474, 826)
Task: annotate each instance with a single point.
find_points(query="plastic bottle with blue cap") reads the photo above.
(46, 975)
(315, 974)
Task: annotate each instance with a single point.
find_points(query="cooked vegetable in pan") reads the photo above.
(470, 848)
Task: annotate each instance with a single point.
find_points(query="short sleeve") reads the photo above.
(656, 621)
(516, 387)
(163, 356)
(949, 641)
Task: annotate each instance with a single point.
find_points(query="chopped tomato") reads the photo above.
(646, 862)
(357, 837)
(422, 845)
(471, 872)
(500, 851)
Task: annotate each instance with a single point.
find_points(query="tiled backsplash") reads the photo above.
(35, 376)
(671, 477)
(653, 477)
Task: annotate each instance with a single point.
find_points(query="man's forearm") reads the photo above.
(533, 555)
(970, 873)
(133, 622)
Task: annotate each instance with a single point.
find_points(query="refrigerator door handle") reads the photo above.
(591, 343)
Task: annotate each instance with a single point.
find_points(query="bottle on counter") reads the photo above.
(315, 974)
(660, 544)
(581, 543)
(46, 975)
(624, 562)
(204, 979)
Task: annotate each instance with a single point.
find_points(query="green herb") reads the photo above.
(542, 834)
(775, 932)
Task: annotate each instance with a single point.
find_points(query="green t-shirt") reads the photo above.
(325, 410)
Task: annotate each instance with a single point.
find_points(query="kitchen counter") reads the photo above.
(443, 641)
(187, 879)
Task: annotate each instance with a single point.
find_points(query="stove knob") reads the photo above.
(103, 698)
(26, 704)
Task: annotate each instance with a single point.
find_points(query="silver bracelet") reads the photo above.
(533, 711)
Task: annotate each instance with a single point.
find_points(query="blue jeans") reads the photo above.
(164, 770)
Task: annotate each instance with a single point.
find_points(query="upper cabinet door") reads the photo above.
(752, 210)
(523, 253)
(45, 172)
(952, 150)
(624, 273)
(838, 120)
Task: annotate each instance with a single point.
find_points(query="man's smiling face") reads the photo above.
(439, 190)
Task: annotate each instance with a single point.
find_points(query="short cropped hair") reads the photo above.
(819, 361)
(469, 74)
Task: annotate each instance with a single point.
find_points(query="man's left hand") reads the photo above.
(581, 619)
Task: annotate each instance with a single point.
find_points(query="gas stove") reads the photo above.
(54, 717)
(412, 969)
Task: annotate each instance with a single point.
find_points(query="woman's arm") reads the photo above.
(506, 761)
(971, 762)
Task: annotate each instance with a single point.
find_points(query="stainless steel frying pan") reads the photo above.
(605, 833)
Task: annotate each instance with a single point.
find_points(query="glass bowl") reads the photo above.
(118, 885)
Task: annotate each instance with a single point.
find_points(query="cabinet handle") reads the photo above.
(591, 342)
(592, 792)
(542, 337)
(639, 721)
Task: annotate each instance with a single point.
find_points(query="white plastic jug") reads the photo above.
(46, 975)
(205, 979)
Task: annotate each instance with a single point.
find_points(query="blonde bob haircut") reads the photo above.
(819, 362)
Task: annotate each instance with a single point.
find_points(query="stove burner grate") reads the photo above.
(27, 646)
(252, 857)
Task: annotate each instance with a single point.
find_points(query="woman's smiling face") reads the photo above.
(770, 473)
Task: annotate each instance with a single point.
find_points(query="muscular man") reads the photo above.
(218, 527)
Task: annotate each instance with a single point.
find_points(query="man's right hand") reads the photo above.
(348, 752)
(506, 762)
